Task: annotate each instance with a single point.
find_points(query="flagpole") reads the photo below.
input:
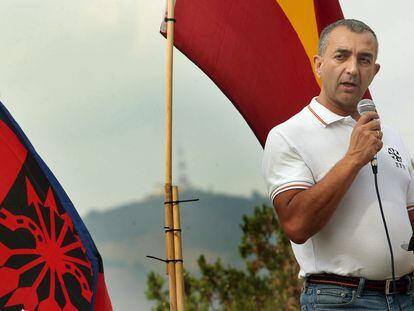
(169, 224)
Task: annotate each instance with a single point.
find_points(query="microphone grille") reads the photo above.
(365, 105)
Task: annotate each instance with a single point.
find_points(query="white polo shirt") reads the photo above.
(299, 152)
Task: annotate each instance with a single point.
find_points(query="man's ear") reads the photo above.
(317, 64)
(377, 68)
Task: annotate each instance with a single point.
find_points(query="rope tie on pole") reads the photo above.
(181, 201)
(171, 230)
(164, 260)
(167, 19)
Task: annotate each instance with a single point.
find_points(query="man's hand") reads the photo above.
(366, 139)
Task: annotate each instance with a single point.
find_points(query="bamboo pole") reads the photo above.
(178, 252)
(169, 237)
(169, 93)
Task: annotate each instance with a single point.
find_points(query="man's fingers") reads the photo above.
(376, 141)
(378, 134)
(380, 145)
(376, 144)
(367, 117)
(373, 125)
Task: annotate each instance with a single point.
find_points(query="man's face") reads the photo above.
(346, 68)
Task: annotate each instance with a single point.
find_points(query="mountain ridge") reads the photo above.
(128, 232)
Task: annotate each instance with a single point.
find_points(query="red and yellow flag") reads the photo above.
(259, 53)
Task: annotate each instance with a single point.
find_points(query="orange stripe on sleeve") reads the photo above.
(279, 190)
(293, 185)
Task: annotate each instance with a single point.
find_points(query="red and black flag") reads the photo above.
(259, 53)
(48, 260)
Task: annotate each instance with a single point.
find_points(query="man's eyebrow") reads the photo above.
(366, 54)
(342, 51)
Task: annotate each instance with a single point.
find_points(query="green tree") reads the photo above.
(268, 282)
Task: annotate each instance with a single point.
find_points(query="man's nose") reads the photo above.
(352, 66)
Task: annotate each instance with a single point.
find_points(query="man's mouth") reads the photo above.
(348, 83)
(349, 86)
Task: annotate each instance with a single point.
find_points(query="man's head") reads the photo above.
(345, 63)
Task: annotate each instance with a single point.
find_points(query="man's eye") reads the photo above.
(339, 57)
(365, 60)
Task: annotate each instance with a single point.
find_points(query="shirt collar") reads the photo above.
(323, 114)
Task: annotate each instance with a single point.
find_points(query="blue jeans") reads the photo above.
(326, 297)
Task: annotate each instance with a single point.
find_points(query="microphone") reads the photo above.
(364, 106)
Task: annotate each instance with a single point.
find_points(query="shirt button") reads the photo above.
(318, 291)
(342, 294)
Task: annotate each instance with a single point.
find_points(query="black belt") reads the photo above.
(403, 284)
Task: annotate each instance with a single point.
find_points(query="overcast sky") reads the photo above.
(85, 80)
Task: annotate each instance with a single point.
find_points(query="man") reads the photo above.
(317, 168)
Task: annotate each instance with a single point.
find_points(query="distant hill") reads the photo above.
(127, 233)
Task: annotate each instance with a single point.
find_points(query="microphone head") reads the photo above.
(365, 105)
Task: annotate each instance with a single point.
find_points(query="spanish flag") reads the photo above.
(259, 53)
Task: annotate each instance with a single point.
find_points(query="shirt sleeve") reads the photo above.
(410, 191)
(283, 168)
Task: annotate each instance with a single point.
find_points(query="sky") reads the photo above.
(85, 80)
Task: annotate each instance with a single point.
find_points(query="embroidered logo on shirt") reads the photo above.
(396, 156)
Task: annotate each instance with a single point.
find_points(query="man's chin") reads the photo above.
(350, 101)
